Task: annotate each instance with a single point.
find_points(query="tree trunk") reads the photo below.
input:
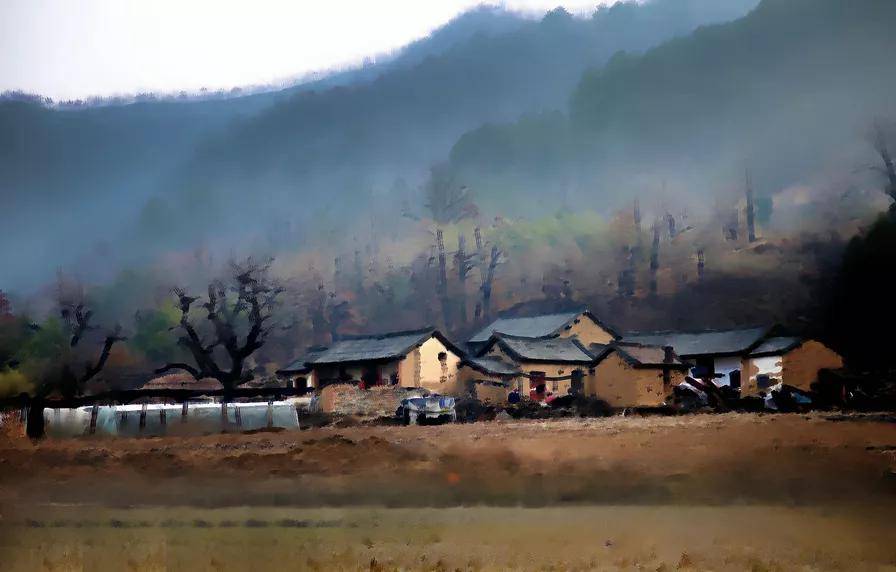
(751, 212)
(654, 258)
(462, 278)
(487, 285)
(443, 280)
(35, 428)
(480, 258)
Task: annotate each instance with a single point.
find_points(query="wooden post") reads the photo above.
(142, 417)
(93, 413)
(183, 412)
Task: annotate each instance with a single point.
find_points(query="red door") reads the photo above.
(537, 387)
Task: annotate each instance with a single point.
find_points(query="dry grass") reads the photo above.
(713, 492)
(756, 538)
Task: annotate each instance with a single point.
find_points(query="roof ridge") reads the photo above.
(498, 334)
(703, 331)
(386, 335)
(558, 313)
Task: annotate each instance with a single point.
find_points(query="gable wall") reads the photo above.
(431, 375)
(801, 365)
(587, 331)
(622, 385)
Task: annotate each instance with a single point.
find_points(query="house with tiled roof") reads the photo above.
(579, 323)
(419, 358)
(544, 366)
(793, 361)
(634, 375)
(714, 353)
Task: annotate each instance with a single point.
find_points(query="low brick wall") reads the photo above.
(378, 401)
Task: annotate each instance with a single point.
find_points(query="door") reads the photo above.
(537, 388)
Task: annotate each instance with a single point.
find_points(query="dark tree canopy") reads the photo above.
(863, 308)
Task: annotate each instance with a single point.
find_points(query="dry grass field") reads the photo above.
(708, 492)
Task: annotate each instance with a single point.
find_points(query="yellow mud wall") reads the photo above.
(491, 393)
(587, 331)
(557, 387)
(802, 364)
(409, 370)
(622, 385)
(431, 375)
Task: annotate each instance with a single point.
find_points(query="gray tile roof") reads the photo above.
(715, 342)
(530, 327)
(646, 356)
(493, 365)
(555, 350)
(776, 346)
(366, 348)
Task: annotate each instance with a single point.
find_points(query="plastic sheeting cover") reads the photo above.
(157, 419)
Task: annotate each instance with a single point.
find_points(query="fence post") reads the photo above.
(93, 413)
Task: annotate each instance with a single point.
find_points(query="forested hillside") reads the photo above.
(165, 174)
(789, 92)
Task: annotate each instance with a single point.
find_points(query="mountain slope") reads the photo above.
(316, 150)
(788, 91)
(163, 174)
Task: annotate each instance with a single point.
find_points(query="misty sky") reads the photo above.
(69, 49)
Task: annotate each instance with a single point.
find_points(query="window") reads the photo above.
(555, 386)
(443, 356)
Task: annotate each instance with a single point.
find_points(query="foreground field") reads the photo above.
(718, 492)
(755, 538)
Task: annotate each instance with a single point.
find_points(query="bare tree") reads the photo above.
(701, 265)
(76, 375)
(463, 264)
(879, 140)
(486, 274)
(238, 316)
(74, 367)
(447, 201)
(654, 257)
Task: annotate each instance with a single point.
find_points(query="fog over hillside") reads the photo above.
(98, 188)
(789, 92)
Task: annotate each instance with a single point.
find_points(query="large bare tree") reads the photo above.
(238, 318)
(72, 364)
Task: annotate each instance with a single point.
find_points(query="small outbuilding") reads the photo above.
(634, 375)
(790, 360)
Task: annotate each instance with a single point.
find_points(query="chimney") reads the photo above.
(668, 358)
(668, 354)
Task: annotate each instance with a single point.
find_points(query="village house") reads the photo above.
(789, 360)
(419, 358)
(634, 375)
(580, 323)
(546, 365)
(713, 353)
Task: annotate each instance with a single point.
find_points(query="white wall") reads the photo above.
(724, 366)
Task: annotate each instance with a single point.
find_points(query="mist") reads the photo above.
(552, 153)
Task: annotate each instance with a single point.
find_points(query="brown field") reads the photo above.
(715, 492)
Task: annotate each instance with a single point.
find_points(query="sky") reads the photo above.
(69, 49)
